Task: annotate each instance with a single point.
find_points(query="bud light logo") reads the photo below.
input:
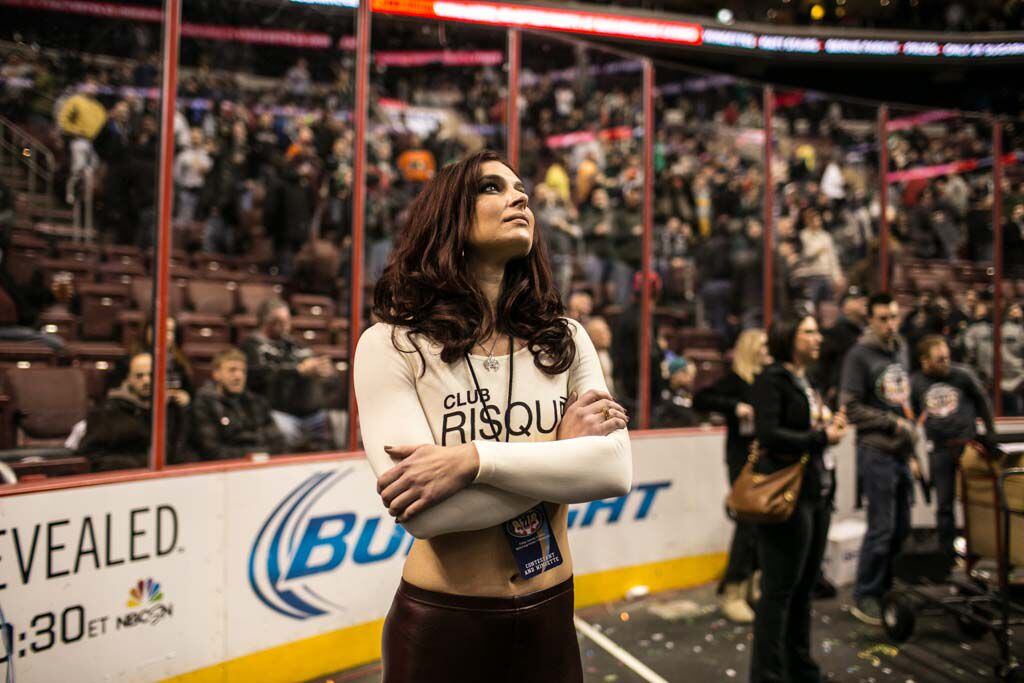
(300, 543)
(280, 556)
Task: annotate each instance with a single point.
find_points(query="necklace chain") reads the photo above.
(490, 353)
(491, 364)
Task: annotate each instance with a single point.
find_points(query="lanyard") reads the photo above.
(511, 364)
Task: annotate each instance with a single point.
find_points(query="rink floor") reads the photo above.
(680, 636)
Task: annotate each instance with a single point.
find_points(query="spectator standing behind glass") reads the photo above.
(817, 270)
(597, 218)
(580, 306)
(117, 433)
(190, 169)
(601, 334)
(837, 340)
(231, 422)
(290, 377)
(561, 235)
(950, 399)
(875, 391)
(791, 421)
(1013, 361)
(675, 405)
(733, 397)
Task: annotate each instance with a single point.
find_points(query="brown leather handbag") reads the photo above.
(765, 498)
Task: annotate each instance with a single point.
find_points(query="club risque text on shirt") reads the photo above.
(467, 417)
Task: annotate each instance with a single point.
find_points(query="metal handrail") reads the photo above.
(15, 140)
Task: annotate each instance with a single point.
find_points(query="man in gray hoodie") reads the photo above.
(875, 389)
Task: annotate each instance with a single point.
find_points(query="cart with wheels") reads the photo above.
(979, 602)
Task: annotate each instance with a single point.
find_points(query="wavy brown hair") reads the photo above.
(427, 286)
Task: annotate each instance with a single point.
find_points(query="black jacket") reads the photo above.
(273, 373)
(233, 426)
(837, 340)
(782, 419)
(117, 433)
(722, 397)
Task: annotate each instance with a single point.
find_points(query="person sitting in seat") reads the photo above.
(118, 432)
(290, 377)
(230, 421)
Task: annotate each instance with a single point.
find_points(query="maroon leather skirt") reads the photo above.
(434, 637)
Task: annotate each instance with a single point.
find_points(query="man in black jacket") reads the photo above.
(875, 389)
(839, 339)
(230, 421)
(950, 399)
(118, 432)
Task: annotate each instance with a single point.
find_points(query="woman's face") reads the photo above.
(763, 357)
(807, 344)
(503, 224)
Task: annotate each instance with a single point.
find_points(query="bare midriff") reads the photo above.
(480, 563)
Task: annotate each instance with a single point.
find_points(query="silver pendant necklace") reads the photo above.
(491, 364)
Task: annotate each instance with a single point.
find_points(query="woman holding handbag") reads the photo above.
(794, 428)
(732, 396)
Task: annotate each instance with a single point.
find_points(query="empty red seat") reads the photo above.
(25, 355)
(101, 303)
(311, 331)
(142, 293)
(81, 271)
(47, 402)
(699, 338)
(78, 251)
(58, 320)
(313, 305)
(124, 254)
(119, 272)
(213, 297)
(339, 331)
(97, 361)
(251, 294)
(25, 259)
(8, 311)
(203, 327)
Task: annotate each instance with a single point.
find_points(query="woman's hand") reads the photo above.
(595, 413)
(424, 476)
(744, 410)
(836, 428)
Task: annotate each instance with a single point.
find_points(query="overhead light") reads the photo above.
(725, 16)
(817, 12)
(840, 12)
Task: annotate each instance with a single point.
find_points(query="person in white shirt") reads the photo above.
(190, 169)
(484, 413)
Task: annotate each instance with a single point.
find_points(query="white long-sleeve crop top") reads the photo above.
(399, 407)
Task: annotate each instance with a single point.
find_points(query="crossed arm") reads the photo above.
(436, 490)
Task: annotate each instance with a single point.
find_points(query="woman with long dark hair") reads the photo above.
(484, 413)
(732, 396)
(791, 421)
